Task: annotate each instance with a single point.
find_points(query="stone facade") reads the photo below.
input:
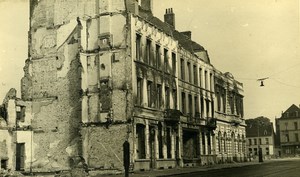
(102, 72)
(287, 130)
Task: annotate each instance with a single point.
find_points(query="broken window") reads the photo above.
(183, 103)
(169, 150)
(167, 98)
(140, 137)
(139, 91)
(190, 104)
(182, 70)
(20, 156)
(174, 98)
(20, 110)
(149, 91)
(148, 52)
(196, 107)
(4, 164)
(166, 62)
(174, 63)
(158, 95)
(200, 76)
(189, 72)
(195, 75)
(157, 56)
(203, 142)
(160, 142)
(105, 96)
(138, 47)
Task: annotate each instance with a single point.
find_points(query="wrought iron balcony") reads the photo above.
(172, 115)
(211, 123)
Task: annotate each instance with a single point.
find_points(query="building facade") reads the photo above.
(101, 73)
(288, 131)
(260, 136)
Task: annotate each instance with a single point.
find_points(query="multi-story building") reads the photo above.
(260, 136)
(101, 73)
(288, 131)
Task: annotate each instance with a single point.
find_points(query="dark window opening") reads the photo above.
(157, 56)
(138, 47)
(20, 156)
(140, 136)
(166, 60)
(182, 70)
(174, 63)
(139, 91)
(183, 102)
(167, 98)
(169, 151)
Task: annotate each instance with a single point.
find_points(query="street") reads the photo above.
(277, 168)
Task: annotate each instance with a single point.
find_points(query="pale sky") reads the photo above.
(251, 39)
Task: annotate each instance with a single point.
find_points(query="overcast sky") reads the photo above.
(251, 39)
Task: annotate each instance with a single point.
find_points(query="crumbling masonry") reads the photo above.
(102, 72)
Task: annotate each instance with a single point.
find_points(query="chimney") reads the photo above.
(132, 6)
(147, 5)
(188, 34)
(170, 17)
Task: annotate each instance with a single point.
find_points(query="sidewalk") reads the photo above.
(186, 170)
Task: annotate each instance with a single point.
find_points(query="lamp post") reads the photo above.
(260, 159)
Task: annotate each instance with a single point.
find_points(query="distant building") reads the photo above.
(288, 131)
(260, 134)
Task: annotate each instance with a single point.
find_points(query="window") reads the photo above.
(166, 62)
(287, 138)
(224, 100)
(148, 52)
(174, 63)
(174, 98)
(200, 76)
(149, 92)
(20, 156)
(296, 137)
(267, 140)
(203, 142)
(167, 98)
(139, 91)
(195, 75)
(255, 142)
(267, 151)
(4, 164)
(296, 125)
(168, 141)
(205, 79)
(189, 72)
(138, 47)
(183, 102)
(255, 151)
(182, 70)
(140, 140)
(196, 106)
(157, 56)
(158, 95)
(190, 104)
(202, 107)
(20, 113)
(250, 142)
(259, 141)
(286, 125)
(210, 82)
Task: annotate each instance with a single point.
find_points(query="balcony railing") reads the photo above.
(211, 123)
(172, 115)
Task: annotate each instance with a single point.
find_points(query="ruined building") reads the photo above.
(102, 72)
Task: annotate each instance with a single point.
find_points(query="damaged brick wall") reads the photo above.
(52, 82)
(104, 146)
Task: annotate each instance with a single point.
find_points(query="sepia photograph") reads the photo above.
(150, 88)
